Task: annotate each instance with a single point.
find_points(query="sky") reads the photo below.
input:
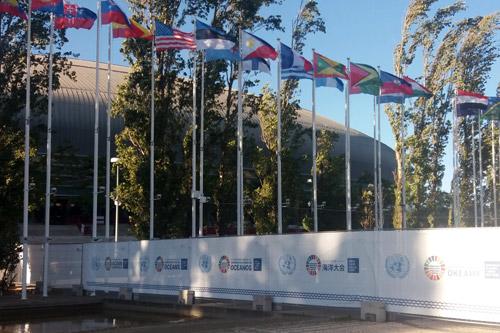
(366, 31)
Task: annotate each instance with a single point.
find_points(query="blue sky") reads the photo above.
(364, 30)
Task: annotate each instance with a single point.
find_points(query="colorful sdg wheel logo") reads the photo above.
(159, 264)
(313, 265)
(224, 264)
(434, 268)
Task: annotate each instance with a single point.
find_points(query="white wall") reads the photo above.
(440, 272)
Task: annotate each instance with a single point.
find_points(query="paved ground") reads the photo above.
(162, 315)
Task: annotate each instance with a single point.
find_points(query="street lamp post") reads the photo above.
(115, 160)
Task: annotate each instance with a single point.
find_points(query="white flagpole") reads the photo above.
(96, 126)
(202, 142)
(348, 151)
(315, 184)
(375, 180)
(26, 189)
(108, 136)
(278, 153)
(456, 195)
(481, 189)
(403, 174)
(474, 176)
(493, 174)
(152, 140)
(379, 166)
(240, 145)
(48, 191)
(193, 162)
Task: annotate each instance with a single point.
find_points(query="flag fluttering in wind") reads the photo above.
(225, 54)
(50, 6)
(332, 82)
(253, 47)
(208, 37)
(293, 65)
(257, 64)
(75, 17)
(170, 38)
(393, 89)
(493, 111)
(112, 13)
(132, 30)
(11, 7)
(364, 79)
(327, 68)
(470, 103)
(418, 89)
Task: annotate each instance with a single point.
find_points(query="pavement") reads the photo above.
(163, 314)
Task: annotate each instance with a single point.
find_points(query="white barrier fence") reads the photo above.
(441, 272)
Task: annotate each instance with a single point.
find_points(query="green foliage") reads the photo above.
(367, 219)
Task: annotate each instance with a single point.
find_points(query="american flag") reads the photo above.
(170, 38)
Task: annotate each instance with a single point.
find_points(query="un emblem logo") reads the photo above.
(205, 263)
(397, 266)
(287, 264)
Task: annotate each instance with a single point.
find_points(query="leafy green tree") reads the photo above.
(12, 101)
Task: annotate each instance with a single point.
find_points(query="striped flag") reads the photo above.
(170, 38)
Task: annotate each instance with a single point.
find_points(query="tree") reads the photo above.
(441, 42)
(367, 219)
(12, 101)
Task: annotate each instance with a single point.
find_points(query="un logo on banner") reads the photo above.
(144, 264)
(159, 264)
(397, 266)
(96, 263)
(205, 263)
(287, 264)
(313, 265)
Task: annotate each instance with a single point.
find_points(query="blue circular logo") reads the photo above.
(397, 266)
(287, 264)
(205, 263)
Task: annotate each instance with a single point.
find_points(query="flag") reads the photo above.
(254, 47)
(327, 68)
(393, 89)
(208, 37)
(112, 13)
(132, 30)
(493, 111)
(293, 65)
(229, 54)
(469, 103)
(51, 6)
(418, 89)
(364, 79)
(257, 64)
(75, 17)
(170, 38)
(11, 7)
(333, 82)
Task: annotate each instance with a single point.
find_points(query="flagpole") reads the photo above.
(379, 166)
(348, 151)
(375, 180)
(152, 140)
(193, 162)
(315, 184)
(202, 142)
(403, 173)
(239, 146)
(108, 136)
(26, 189)
(48, 191)
(481, 190)
(474, 176)
(278, 153)
(493, 173)
(96, 127)
(456, 196)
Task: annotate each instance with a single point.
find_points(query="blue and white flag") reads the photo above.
(228, 54)
(257, 64)
(293, 65)
(208, 37)
(333, 82)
